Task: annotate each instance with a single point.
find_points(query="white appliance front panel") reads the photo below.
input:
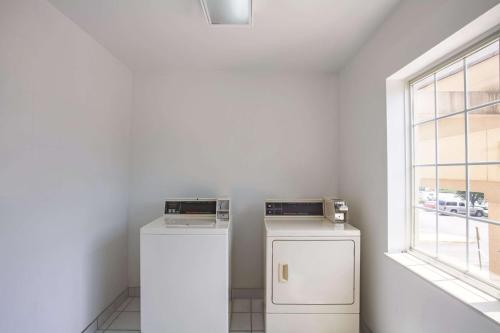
(313, 272)
(184, 283)
(272, 307)
(312, 323)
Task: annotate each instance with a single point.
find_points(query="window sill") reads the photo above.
(485, 304)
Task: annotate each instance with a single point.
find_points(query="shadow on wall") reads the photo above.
(247, 246)
(103, 267)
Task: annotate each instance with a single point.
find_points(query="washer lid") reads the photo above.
(172, 225)
(315, 227)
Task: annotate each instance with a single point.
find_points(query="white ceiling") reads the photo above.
(292, 35)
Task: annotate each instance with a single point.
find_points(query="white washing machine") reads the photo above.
(185, 268)
(312, 270)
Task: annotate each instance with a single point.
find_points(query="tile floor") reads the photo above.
(125, 319)
(247, 316)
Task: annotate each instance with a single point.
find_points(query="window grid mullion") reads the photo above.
(465, 110)
(435, 163)
(448, 115)
(480, 106)
(412, 128)
(472, 218)
(456, 164)
(467, 180)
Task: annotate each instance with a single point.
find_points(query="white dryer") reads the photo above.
(185, 268)
(312, 270)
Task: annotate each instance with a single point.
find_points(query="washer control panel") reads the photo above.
(199, 207)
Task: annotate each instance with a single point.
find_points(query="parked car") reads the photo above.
(484, 207)
(430, 204)
(457, 206)
(450, 205)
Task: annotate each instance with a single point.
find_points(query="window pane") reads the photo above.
(484, 134)
(452, 240)
(425, 231)
(423, 100)
(485, 191)
(452, 189)
(483, 84)
(425, 187)
(425, 143)
(450, 89)
(484, 251)
(451, 144)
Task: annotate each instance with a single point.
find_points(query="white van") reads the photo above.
(457, 206)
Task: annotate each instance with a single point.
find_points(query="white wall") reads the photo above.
(394, 299)
(64, 139)
(249, 136)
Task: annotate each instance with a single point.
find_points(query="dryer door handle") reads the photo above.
(283, 273)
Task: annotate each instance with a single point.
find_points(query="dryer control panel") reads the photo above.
(294, 208)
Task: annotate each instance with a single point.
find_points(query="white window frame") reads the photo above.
(463, 275)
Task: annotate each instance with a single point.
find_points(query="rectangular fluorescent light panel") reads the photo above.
(228, 12)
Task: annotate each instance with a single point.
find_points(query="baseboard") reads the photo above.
(247, 293)
(134, 291)
(111, 308)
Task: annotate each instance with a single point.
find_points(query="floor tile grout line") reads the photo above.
(119, 313)
(130, 311)
(251, 314)
(112, 321)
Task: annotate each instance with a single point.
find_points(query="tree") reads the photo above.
(473, 196)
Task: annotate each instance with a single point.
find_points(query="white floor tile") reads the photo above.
(258, 321)
(241, 305)
(240, 322)
(127, 321)
(134, 305)
(257, 305)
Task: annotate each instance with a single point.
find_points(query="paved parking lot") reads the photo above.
(452, 238)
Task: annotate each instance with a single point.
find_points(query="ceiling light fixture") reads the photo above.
(228, 12)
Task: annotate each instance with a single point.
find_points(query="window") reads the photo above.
(455, 131)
